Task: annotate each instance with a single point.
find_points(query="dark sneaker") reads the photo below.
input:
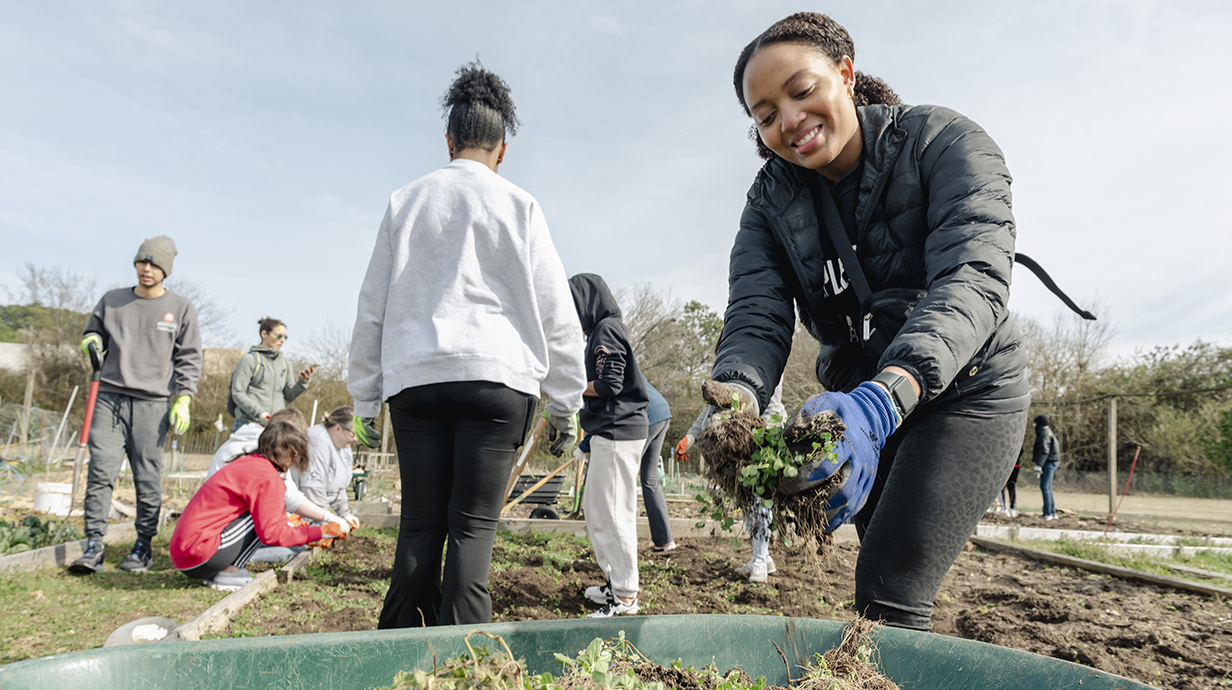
(91, 561)
(140, 559)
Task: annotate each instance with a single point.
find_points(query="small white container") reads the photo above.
(53, 498)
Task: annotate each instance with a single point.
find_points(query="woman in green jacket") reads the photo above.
(262, 382)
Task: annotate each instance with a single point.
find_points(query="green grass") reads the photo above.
(50, 612)
(321, 583)
(1093, 551)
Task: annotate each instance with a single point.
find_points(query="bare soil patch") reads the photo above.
(1146, 632)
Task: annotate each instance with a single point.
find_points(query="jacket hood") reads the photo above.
(267, 351)
(593, 300)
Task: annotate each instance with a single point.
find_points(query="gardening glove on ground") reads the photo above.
(343, 524)
(563, 432)
(353, 522)
(91, 338)
(868, 414)
(365, 431)
(180, 416)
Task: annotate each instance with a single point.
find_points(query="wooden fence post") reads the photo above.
(1112, 463)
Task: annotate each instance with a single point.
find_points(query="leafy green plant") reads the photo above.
(32, 533)
(747, 460)
(615, 664)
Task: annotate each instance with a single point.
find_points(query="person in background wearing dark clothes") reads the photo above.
(1010, 509)
(153, 355)
(1047, 455)
(614, 417)
(658, 416)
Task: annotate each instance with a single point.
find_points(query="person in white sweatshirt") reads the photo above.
(465, 317)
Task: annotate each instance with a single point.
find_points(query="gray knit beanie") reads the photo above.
(159, 251)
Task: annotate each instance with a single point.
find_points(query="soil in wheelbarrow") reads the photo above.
(1153, 634)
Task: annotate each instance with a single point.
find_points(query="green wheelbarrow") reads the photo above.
(914, 660)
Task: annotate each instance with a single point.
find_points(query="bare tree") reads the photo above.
(211, 318)
(329, 347)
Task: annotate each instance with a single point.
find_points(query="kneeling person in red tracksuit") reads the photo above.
(239, 508)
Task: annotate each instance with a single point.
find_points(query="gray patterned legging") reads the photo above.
(937, 476)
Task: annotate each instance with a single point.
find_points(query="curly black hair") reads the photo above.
(479, 108)
(828, 36)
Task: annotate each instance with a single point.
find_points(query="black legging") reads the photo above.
(456, 444)
(1011, 488)
(237, 544)
(937, 476)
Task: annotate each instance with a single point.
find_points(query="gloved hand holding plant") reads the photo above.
(868, 415)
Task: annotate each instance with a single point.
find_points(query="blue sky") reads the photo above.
(266, 138)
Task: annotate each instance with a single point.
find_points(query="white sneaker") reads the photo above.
(615, 607)
(1011, 513)
(229, 582)
(747, 568)
(600, 594)
(758, 572)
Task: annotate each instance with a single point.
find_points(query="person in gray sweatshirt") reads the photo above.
(464, 317)
(330, 463)
(262, 382)
(151, 344)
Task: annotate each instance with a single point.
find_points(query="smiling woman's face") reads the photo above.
(802, 108)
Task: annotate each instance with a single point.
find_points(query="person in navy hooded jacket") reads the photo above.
(614, 416)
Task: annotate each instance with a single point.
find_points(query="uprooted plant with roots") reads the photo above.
(746, 457)
(616, 664)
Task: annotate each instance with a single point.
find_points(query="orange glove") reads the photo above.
(682, 448)
(329, 532)
(353, 521)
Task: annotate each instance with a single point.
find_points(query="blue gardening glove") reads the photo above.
(180, 416)
(868, 414)
(584, 446)
(563, 432)
(365, 431)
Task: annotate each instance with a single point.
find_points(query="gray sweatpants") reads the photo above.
(126, 425)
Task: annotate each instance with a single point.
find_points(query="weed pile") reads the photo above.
(746, 457)
(615, 664)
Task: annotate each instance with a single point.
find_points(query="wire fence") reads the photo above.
(1144, 483)
(49, 436)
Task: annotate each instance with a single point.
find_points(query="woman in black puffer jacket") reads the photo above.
(924, 363)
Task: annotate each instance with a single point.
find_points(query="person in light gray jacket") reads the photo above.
(330, 463)
(262, 382)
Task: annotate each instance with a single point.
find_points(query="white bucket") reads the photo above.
(53, 498)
